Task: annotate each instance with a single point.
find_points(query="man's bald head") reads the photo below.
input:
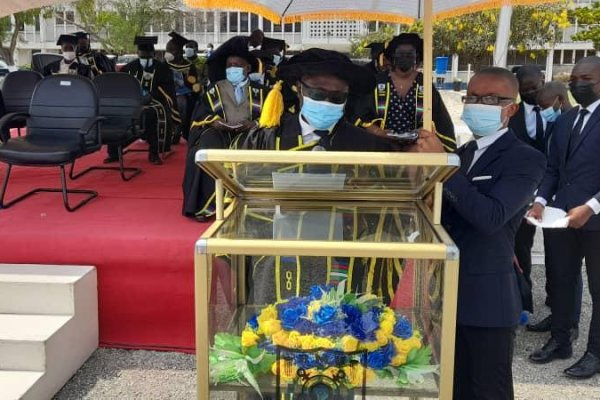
(502, 83)
(548, 95)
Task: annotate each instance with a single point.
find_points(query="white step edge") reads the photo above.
(15, 384)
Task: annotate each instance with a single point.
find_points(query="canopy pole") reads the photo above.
(427, 63)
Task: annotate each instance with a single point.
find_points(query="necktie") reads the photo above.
(576, 132)
(467, 156)
(539, 127)
(325, 140)
(239, 93)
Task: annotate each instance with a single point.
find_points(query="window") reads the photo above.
(69, 17)
(244, 19)
(276, 27)
(298, 27)
(288, 27)
(233, 22)
(579, 54)
(568, 57)
(253, 22)
(189, 21)
(267, 25)
(210, 21)
(223, 24)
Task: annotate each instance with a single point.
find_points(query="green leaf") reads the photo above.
(420, 356)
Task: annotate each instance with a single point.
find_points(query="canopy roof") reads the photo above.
(395, 11)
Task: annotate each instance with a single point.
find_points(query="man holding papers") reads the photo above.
(572, 183)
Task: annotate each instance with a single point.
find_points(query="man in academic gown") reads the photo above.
(158, 89)
(185, 77)
(70, 64)
(97, 61)
(226, 112)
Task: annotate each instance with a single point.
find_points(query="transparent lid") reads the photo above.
(327, 175)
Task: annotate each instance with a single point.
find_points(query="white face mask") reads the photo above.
(257, 77)
(190, 52)
(146, 62)
(69, 55)
(252, 48)
(169, 57)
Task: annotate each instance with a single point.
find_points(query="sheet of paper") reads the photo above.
(307, 181)
(552, 218)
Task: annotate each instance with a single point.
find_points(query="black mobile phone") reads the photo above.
(404, 138)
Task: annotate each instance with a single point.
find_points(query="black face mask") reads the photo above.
(529, 97)
(583, 93)
(404, 64)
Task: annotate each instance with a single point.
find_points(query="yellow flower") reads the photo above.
(249, 338)
(354, 374)
(382, 338)
(399, 359)
(331, 372)
(313, 307)
(280, 338)
(349, 343)
(268, 313)
(307, 342)
(387, 327)
(293, 340)
(324, 343)
(287, 370)
(271, 327)
(369, 346)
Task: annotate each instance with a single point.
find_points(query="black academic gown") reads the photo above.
(187, 89)
(98, 62)
(365, 275)
(75, 68)
(160, 102)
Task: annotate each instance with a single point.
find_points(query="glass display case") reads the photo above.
(326, 275)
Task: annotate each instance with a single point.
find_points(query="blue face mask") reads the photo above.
(483, 119)
(235, 75)
(257, 77)
(321, 114)
(550, 114)
(276, 59)
(146, 62)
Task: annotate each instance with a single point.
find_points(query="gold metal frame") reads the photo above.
(210, 244)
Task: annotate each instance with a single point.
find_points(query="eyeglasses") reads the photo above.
(487, 100)
(319, 94)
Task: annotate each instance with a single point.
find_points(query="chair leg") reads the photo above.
(65, 192)
(121, 168)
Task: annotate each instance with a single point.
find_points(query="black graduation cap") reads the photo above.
(67, 39)
(277, 45)
(376, 48)
(81, 35)
(412, 39)
(146, 43)
(178, 39)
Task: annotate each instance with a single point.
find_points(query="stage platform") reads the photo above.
(134, 234)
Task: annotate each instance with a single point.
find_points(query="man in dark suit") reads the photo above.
(529, 126)
(484, 203)
(572, 183)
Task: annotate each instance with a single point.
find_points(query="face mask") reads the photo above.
(257, 77)
(404, 64)
(169, 57)
(276, 59)
(69, 55)
(529, 97)
(321, 114)
(190, 52)
(583, 93)
(146, 62)
(252, 48)
(235, 75)
(483, 119)
(209, 51)
(83, 50)
(550, 114)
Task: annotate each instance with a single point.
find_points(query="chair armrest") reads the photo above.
(11, 117)
(85, 130)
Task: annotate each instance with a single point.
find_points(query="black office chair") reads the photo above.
(62, 125)
(17, 90)
(120, 100)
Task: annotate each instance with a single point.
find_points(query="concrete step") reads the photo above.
(23, 340)
(14, 385)
(48, 327)
(29, 289)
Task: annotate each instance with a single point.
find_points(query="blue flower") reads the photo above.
(403, 329)
(325, 314)
(290, 317)
(333, 328)
(332, 358)
(305, 360)
(253, 322)
(370, 323)
(304, 326)
(353, 321)
(317, 291)
(381, 358)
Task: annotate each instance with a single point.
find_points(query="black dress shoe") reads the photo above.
(586, 367)
(550, 352)
(110, 159)
(542, 326)
(154, 159)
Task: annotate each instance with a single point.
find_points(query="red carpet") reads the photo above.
(134, 234)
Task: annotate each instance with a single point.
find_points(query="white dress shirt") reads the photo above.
(308, 131)
(530, 120)
(592, 203)
(483, 143)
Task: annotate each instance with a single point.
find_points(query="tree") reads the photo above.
(9, 32)
(589, 16)
(115, 23)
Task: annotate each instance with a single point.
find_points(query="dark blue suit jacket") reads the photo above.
(576, 179)
(482, 212)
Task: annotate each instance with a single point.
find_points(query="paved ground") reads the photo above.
(121, 374)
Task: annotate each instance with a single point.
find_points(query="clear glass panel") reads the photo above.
(291, 329)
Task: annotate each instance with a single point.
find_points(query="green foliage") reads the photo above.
(9, 33)
(357, 46)
(115, 23)
(589, 16)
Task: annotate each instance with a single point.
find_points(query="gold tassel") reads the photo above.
(272, 108)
